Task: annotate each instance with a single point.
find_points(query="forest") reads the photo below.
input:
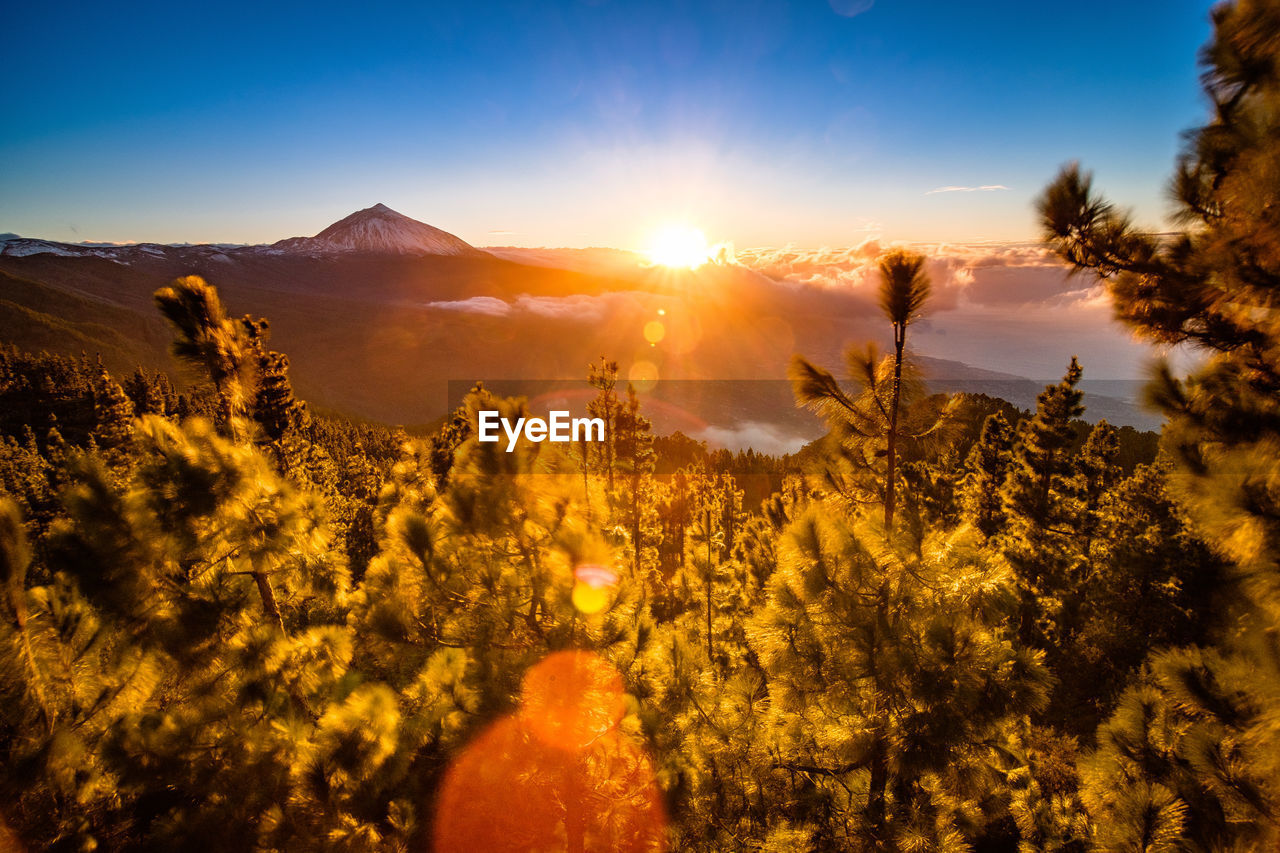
(231, 623)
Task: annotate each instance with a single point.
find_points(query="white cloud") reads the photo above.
(985, 188)
(580, 307)
(487, 305)
(761, 437)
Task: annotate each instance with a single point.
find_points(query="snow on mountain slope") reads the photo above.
(19, 247)
(381, 230)
(375, 230)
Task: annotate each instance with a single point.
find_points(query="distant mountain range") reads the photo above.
(379, 313)
(374, 230)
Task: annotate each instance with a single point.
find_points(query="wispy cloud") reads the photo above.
(489, 306)
(580, 307)
(985, 188)
(850, 8)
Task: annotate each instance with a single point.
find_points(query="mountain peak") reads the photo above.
(380, 230)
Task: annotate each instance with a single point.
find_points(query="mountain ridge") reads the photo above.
(376, 230)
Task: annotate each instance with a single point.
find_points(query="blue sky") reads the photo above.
(587, 123)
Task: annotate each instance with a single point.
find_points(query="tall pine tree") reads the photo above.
(1211, 286)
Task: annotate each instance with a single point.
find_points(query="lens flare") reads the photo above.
(571, 698)
(593, 588)
(643, 374)
(559, 773)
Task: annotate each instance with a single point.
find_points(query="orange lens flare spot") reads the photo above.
(643, 374)
(654, 331)
(571, 698)
(510, 792)
(558, 774)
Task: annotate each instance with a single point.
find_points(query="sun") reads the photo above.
(679, 246)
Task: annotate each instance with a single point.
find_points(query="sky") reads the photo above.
(587, 123)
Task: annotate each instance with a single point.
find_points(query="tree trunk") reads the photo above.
(891, 454)
(269, 605)
(876, 794)
(610, 445)
(879, 764)
(637, 546)
(710, 577)
(586, 479)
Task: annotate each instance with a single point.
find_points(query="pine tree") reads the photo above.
(1211, 286)
(1176, 766)
(603, 376)
(856, 468)
(209, 340)
(703, 695)
(709, 725)
(181, 701)
(1038, 540)
(447, 441)
(929, 497)
(891, 682)
(706, 542)
(113, 411)
(486, 563)
(985, 472)
(1150, 583)
(27, 476)
(675, 509)
(871, 425)
(904, 288)
(633, 456)
(274, 406)
(1096, 474)
(59, 692)
(145, 393)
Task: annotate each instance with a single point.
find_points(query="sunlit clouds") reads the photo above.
(1007, 306)
(1015, 293)
(977, 273)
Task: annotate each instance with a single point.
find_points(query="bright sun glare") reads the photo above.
(679, 246)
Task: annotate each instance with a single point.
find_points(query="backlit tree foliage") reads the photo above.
(231, 622)
(1191, 757)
